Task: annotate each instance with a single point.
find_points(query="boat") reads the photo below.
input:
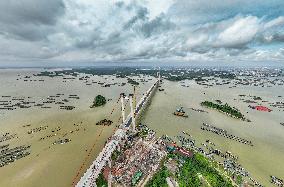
(180, 112)
(104, 122)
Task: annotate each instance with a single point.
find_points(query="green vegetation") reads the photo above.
(57, 73)
(194, 172)
(143, 133)
(99, 101)
(101, 182)
(224, 108)
(198, 171)
(131, 81)
(178, 78)
(257, 98)
(239, 180)
(172, 74)
(115, 155)
(159, 178)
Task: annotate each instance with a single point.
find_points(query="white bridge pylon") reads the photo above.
(122, 97)
(132, 111)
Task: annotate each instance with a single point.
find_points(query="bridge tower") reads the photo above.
(159, 75)
(134, 97)
(122, 96)
(132, 110)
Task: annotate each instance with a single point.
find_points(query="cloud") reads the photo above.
(274, 23)
(29, 19)
(31, 11)
(240, 33)
(127, 30)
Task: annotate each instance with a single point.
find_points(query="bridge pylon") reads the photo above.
(159, 75)
(132, 112)
(122, 97)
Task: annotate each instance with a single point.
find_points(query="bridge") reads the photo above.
(104, 157)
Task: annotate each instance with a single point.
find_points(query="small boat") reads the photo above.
(180, 112)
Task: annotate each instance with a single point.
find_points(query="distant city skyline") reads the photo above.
(86, 32)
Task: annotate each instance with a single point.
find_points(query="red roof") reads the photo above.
(106, 172)
(262, 108)
(184, 152)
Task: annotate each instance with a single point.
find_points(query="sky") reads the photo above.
(77, 32)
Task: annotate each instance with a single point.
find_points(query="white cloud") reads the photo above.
(274, 23)
(117, 30)
(241, 32)
(157, 7)
(197, 40)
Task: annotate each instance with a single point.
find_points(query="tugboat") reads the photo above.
(180, 112)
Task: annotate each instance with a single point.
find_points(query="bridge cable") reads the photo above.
(90, 150)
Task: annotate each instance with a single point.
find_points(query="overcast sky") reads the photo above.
(78, 31)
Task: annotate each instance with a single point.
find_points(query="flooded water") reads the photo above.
(265, 158)
(57, 165)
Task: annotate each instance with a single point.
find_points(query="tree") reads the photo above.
(99, 101)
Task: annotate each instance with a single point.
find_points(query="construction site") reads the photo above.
(138, 159)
